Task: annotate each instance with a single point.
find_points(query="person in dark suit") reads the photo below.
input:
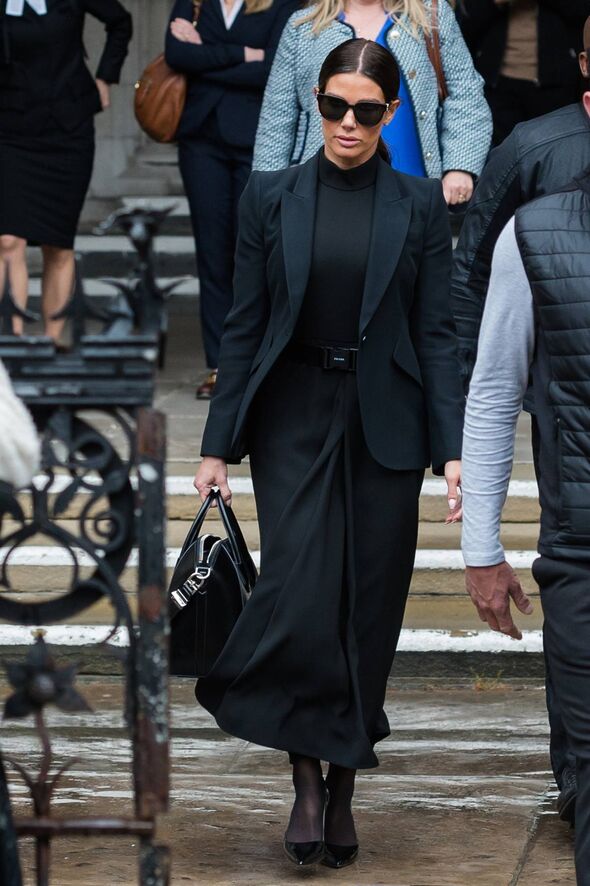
(338, 374)
(227, 60)
(526, 51)
(48, 99)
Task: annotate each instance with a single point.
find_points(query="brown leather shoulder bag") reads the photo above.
(160, 94)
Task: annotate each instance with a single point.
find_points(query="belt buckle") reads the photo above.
(340, 358)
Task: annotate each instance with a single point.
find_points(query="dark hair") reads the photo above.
(360, 56)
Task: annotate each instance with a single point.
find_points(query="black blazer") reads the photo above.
(218, 75)
(485, 28)
(410, 391)
(43, 74)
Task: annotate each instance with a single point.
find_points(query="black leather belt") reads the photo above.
(324, 357)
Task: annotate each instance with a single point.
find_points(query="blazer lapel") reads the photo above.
(297, 227)
(391, 219)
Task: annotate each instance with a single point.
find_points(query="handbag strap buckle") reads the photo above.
(183, 595)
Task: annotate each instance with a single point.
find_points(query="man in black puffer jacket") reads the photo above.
(539, 158)
(535, 324)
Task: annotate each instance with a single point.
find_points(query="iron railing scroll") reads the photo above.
(103, 464)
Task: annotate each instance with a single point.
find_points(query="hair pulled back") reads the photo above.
(360, 56)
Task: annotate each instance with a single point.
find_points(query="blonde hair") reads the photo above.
(257, 6)
(411, 14)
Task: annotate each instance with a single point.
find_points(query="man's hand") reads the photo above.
(490, 588)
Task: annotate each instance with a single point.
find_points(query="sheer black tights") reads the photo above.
(307, 816)
(340, 829)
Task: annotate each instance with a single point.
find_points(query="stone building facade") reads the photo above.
(127, 162)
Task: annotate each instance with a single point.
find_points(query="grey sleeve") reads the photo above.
(500, 378)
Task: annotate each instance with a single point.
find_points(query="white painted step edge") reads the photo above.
(411, 640)
(183, 485)
(427, 559)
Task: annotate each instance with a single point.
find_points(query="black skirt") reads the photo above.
(306, 667)
(43, 183)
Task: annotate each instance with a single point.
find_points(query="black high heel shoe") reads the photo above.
(304, 853)
(340, 856)
(310, 852)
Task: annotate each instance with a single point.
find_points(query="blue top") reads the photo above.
(401, 136)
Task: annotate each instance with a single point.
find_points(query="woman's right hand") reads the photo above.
(212, 472)
(253, 55)
(184, 31)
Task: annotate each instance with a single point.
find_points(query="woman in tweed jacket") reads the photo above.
(452, 139)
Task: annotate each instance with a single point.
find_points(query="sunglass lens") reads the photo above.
(332, 108)
(369, 113)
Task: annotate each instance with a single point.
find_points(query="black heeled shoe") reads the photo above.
(304, 853)
(340, 856)
(310, 852)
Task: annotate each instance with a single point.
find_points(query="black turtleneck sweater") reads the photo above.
(344, 212)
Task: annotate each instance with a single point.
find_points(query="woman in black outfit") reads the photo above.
(338, 374)
(227, 60)
(48, 99)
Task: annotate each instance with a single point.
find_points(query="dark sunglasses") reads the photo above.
(366, 113)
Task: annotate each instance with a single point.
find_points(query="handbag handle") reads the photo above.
(232, 528)
(432, 41)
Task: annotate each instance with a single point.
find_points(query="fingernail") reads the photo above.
(452, 503)
(529, 609)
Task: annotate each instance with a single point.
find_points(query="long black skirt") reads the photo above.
(305, 669)
(43, 182)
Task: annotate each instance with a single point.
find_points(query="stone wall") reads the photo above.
(119, 139)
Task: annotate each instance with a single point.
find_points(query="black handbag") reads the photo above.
(212, 581)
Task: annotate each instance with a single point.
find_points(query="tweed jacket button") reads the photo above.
(412, 74)
(428, 155)
(395, 34)
(423, 115)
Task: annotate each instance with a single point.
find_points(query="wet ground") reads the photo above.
(463, 796)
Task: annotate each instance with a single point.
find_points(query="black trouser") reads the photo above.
(214, 175)
(514, 101)
(565, 596)
(560, 750)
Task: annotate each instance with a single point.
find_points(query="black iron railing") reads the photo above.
(103, 464)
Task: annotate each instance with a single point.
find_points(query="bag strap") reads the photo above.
(432, 41)
(236, 540)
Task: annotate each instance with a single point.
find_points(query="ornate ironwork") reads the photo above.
(92, 405)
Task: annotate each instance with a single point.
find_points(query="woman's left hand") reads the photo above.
(104, 91)
(184, 31)
(453, 478)
(457, 187)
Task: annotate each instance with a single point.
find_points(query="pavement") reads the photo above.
(463, 795)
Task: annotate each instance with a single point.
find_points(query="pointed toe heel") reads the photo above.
(339, 856)
(304, 853)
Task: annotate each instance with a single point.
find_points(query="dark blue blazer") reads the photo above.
(218, 76)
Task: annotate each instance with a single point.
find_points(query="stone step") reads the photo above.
(521, 507)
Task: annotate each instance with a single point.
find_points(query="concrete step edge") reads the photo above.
(412, 640)
(182, 485)
(427, 559)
